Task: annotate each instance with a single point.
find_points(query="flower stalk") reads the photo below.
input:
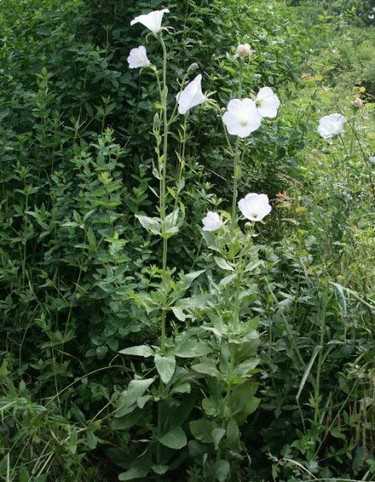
(163, 177)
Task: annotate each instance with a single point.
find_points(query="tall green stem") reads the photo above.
(163, 178)
(236, 177)
(237, 158)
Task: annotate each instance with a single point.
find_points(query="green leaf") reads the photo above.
(165, 366)
(228, 279)
(179, 313)
(190, 348)
(202, 430)
(144, 351)
(134, 473)
(222, 470)
(160, 469)
(175, 439)
(223, 264)
(207, 367)
(152, 225)
(128, 399)
(242, 401)
(217, 435)
(307, 371)
(182, 388)
(172, 222)
(190, 277)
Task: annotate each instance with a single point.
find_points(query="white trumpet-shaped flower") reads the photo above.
(267, 102)
(255, 206)
(191, 96)
(138, 58)
(331, 125)
(212, 222)
(241, 117)
(151, 20)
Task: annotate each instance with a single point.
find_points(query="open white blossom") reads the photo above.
(372, 160)
(191, 96)
(212, 222)
(151, 20)
(267, 103)
(241, 117)
(244, 50)
(255, 206)
(138, 58)
(331, 125)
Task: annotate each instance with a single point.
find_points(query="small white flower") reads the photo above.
(138, 58)
(371, 17)
(191, 96)
(244, 50)
(331, 125)
(151, 20)
(255, 206)
(241, 117)
(372, 160)
(267, 103)
(212, 222)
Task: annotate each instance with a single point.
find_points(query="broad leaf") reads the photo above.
(152, 225)
(191, 348)
(207, 367)
(222, 470)
(128, 399)
(134, 473)
(165, 366)
(175, 439)
(223, 264)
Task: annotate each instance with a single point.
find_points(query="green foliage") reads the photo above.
(264, 368)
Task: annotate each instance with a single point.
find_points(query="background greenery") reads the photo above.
(76, 160)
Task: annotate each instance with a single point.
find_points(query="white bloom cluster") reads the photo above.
(254, 207)
(244, 116)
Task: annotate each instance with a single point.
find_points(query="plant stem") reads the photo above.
(236, 176)
(163, 179)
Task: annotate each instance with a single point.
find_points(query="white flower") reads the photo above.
(138, 58)
(255, 206)
(241, 117)
(244, 50)
(152, 20)
(331, 125)
(372, 159)
(191, 96)
(267, 102)
(212, 222)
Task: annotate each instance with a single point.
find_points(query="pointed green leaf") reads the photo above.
(141, 350)
(165, 366)
(223, 264)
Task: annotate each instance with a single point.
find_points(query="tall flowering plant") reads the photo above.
(196, 383)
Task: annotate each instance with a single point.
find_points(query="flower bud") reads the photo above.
(244, 50)
(193, 67)
(358, 103)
